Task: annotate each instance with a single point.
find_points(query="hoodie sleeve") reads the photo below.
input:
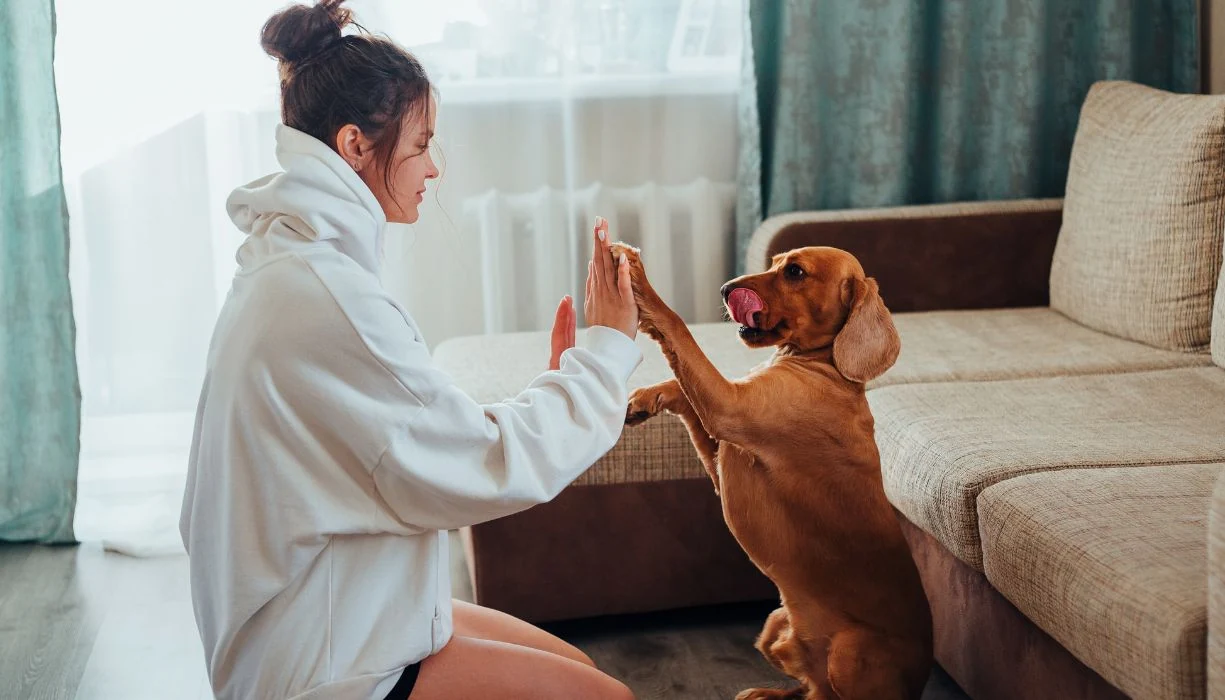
(448, 461)
(458, 463)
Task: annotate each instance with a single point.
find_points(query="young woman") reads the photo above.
(330, 457)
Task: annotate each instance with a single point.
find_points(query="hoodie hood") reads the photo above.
(318, 199)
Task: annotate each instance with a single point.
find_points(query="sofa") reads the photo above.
(1052, 435)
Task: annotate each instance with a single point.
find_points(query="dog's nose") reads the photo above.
(726, 289)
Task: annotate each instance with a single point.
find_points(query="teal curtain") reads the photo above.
(40, 396)
(871, 103)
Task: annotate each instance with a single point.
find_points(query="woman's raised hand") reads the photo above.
(609, 300)
(563, 331)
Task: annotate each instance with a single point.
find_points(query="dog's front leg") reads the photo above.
(718, 403)
(667, 396)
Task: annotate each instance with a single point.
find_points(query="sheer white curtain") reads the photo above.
(170, 104)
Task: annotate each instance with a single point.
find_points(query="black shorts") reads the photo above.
(404, 686)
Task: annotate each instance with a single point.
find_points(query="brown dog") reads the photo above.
(793, 457)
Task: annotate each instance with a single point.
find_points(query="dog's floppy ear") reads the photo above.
(868, 344)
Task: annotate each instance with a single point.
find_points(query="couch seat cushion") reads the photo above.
(1140, 247)
(942, 346)
(1218, 321)
(1216, 592)
(1112, 564)
(942, 444)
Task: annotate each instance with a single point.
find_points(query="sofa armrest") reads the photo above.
(1216, 592)
(940, 256)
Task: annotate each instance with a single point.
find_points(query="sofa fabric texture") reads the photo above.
(1144, 212)
(1112, 564)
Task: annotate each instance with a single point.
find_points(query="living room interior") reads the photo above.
(1037, 187)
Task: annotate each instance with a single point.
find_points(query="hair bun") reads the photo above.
(301, 31)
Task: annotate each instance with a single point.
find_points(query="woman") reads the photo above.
(330, 457)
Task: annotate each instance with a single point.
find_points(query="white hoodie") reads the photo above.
(330, 456)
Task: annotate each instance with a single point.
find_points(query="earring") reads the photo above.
(354, 166)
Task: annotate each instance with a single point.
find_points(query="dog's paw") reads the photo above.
(650, 401)
(653, 313)
(648, 301)
(632, 255)
(644, 404)
(632, 418)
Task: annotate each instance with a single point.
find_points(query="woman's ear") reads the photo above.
(868, 343)
(354, 147)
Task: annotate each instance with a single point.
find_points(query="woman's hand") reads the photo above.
(563, 331)
(610, 300)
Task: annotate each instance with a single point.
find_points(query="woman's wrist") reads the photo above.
(615, 346)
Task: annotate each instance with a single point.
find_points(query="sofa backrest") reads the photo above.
(1140, 247)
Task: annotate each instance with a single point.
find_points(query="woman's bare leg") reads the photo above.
(486, 623)
(482, 669)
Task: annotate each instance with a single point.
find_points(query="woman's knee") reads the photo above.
(581, 680)
(599, 687)
(470, 668)
(620, 691)
(485, 623)
(575, 654)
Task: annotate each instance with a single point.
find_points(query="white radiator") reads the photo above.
(534, 246)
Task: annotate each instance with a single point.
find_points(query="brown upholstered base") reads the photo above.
(612, 549)
(986, 644)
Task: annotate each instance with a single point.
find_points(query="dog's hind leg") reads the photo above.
(776, 630)
(782, 647)
(864, 665)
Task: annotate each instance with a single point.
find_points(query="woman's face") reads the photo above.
(401, 192)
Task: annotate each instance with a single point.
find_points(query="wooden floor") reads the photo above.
(77, 622)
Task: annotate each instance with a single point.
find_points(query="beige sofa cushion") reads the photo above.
(1140, 247)
(1216, 593)
(1112, 564)
(936, 346)
(1218, 322)
(942, 444)
(942, 346)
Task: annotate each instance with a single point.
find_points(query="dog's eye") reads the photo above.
(793, 271)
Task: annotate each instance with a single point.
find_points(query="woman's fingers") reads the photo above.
(587, 298)
(571, 322)
(608, 275)
(597, 253)
(610, 297)
(559, 341)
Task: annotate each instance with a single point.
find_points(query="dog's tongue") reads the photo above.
(744, 305)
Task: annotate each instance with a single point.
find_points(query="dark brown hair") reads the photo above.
(330, 79)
